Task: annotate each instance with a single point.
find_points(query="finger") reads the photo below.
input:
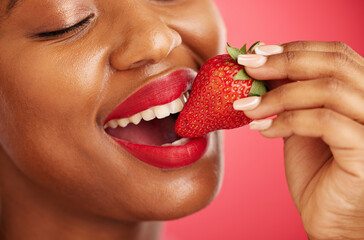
(297, 66)
(336, 130)
(339, 47)
(344, 136)
(323, 93)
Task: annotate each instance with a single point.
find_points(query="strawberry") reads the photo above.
(220, 81)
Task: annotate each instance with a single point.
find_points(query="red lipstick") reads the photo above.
(168, 157)
(158, 92)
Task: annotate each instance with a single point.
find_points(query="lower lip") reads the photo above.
(168, 157)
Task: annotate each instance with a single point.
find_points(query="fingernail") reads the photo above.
(252, 60)
(268, 50)
(248, 103)
(261, 124)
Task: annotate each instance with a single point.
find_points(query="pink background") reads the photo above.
(254, 202)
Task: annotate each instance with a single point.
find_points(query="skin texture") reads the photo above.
(320, 116)
(61, 176)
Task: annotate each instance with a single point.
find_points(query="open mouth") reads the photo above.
(154, 126)
(144, 123)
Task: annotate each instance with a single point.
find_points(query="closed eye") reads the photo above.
(62, 32)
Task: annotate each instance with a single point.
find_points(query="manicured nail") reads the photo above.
(252, 60)
(268, 50)
(261, 124)
(248, 103)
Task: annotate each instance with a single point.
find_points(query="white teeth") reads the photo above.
(112, 124)
(179, 142)
(176, 106)
(123, 122)
(136, 118)
(148, 115)
(161, 111)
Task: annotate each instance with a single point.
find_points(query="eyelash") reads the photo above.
(60, 33)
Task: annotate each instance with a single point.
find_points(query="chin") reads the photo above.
(189, 190)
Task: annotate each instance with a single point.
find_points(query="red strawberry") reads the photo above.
(218, 84)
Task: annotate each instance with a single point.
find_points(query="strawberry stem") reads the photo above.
(233, 52)
(243, 50)
(258, 88)
(252, 47)
(242, 75)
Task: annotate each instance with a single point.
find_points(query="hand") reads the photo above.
(318, 97)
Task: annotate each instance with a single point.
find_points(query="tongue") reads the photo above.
(156, 132)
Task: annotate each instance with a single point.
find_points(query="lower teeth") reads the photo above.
(179, 142)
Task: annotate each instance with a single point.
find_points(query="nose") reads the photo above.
(146, 39)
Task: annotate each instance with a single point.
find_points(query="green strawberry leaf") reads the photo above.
(233, 52)
(243, 50)
(252, 47)
(242, 75)
(258, 88)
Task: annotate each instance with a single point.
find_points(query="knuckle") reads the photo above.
(340, 47)
(302, 45)
(289, 57)
(325, 116)
(332, 86)
(282, 93)
(289, 118)
(340, 59)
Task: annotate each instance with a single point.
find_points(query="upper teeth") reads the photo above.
(161, 111)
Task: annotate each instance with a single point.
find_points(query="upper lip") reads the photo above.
(160, 91)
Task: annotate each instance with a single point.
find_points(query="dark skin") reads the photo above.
(63, 177)
(320, 116)
(59, 170)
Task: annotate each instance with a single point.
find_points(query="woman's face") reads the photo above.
(58, 88)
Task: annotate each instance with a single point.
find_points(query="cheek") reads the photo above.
(50, 86)
(49, 131)
(45, 99)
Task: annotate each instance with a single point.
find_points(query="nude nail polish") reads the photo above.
(261, 124)
(248, 103)
(252, 60)
(268, 50)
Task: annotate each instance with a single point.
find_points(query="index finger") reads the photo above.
(304, 65)
(315, 46)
